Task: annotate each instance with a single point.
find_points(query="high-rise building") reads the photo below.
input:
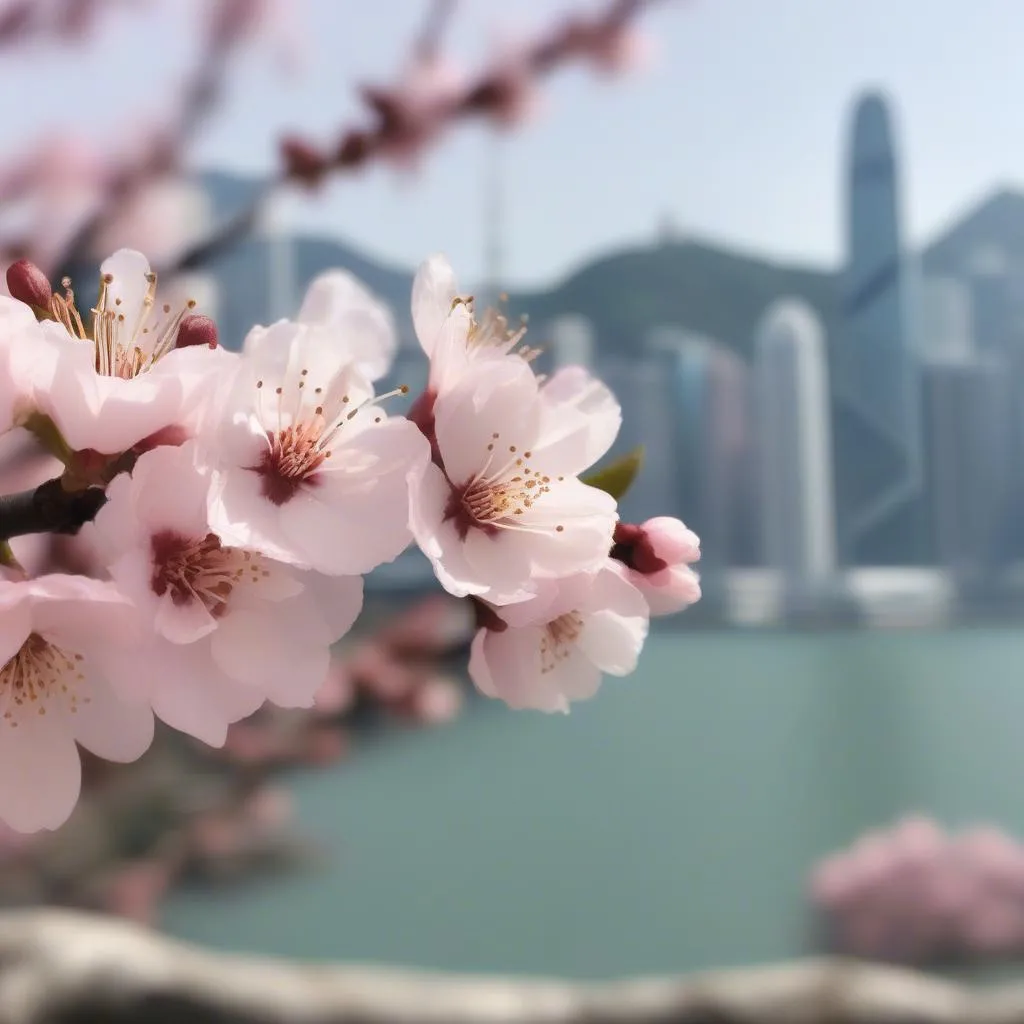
(874, 371)
(970, 430)
(708, 433)
(792, 415)
(945, 322)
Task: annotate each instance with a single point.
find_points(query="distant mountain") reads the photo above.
(694, 285)
(690, 284)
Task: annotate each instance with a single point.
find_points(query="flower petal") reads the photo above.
(363, 325)
(433, 290)
(111, 726)
(489, 416)
(40, 773)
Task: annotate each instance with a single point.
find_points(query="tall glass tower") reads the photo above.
(874, 368)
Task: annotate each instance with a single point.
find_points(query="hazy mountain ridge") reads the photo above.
(696, 285)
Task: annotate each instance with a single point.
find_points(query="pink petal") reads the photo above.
(496, 404)
(112, 727)
(433, 289)
(363, 325)
(40, 773)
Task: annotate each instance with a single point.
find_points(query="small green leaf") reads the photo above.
(617, 477)
(47, 434)
(7, 559)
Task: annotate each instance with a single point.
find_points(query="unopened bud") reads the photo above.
(28, 284)
(196, 329)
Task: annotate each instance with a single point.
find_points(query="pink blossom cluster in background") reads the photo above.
(917, 893)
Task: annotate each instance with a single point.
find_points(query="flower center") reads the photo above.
(493, 331)
(506, 488)
(292, 459)
(303, 426)
(124, 348)
(37, 674)
(200, 569)
(558, 639)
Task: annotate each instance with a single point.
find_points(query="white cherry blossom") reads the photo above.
(449, 331)
(227, 628)
(308, 468)
(551, 650)
(502, 506)
(117, 377)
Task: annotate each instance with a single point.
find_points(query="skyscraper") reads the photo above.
(795, 445)
(968, 407)
(709, 438)
(874, 371)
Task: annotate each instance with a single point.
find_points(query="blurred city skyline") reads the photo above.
(733, 130)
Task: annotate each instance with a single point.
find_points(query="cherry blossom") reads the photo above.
(226, 628)
(121, 379)
(502, 505)
(56, 632)
(552, 649)
(448, 330)
(656, 556)
(363, 325)
(308, 468)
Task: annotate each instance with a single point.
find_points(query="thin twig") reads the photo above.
(483, 96)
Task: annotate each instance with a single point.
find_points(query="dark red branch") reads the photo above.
(48, 508)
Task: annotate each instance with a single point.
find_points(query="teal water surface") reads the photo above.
(667, 825)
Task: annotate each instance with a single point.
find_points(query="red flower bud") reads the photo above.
(196, 329)
(28, 284)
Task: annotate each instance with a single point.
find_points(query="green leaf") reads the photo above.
(617, 477)
(47, 434)
(7, 559)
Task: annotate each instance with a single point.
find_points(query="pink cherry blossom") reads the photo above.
(121, 379)
(550, 650)
(55, 631)
(363, 326)
(656, 558)
(448, 330)
(226, 628)
(308, 467)
(503, 507)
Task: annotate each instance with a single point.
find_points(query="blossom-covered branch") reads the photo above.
(61, 968)
(237, 499)
(406, 118)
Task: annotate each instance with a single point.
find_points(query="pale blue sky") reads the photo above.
(737, 129)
